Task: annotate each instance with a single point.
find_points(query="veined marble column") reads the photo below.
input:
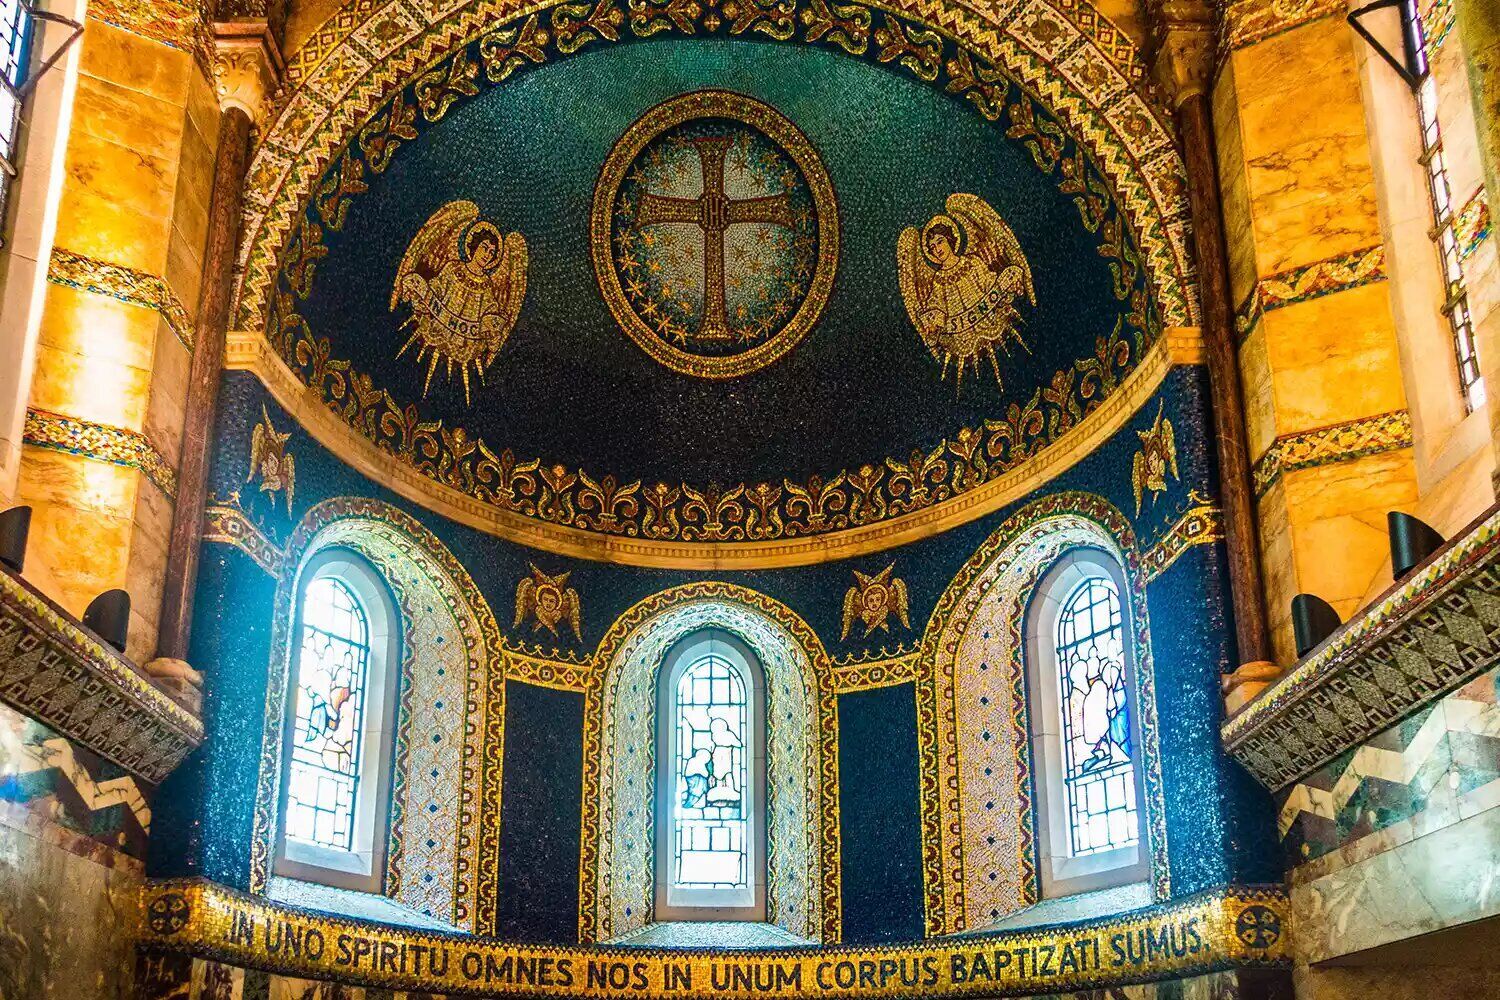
(1185, 61)
(248, 64)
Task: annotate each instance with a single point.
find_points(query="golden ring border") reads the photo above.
(779, 129)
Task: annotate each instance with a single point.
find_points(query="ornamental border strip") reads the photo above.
(1216, 930)
(1201, 524)
(1345, 442)
(1123, 122)
(1247, 22)
(1310, 281)
(102, 443)
(126, 284)
(56, 672)
(1426, 637)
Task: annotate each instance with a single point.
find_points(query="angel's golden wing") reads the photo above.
(289, 476)
(525, 600)
(914, 274)
(851, 608)
(898, 589)
(435, 243)
(571, 607)
(990, 237)
(509, 280)
(1169, 445)
(1138, 477)
(257, 450)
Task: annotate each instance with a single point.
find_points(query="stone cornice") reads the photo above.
(57, 672)
(1425, 637)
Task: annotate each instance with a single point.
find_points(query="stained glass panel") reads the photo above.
(332, 668)
(1098, 773)
(15, 34)
(710, 808)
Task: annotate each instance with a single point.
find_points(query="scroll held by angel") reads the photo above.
(464, 283)
(961, 275)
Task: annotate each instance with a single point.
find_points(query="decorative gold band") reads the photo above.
(872, 674)
(228, 525)
(1249, 21)
(1311, 281)
(136, 288)
(251, 352)
(180, 24)
(1202, 524)
(1328, 445)
(1216, 930)
(102, 443)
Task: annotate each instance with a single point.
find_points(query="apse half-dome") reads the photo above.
(713, 291)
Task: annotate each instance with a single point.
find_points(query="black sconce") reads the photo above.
(15, 524)
(109, 616)
(1411, 542)
(1313, 620)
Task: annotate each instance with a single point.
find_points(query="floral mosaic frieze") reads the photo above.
(1433, 633)
(126, 284)
(1311, 281)
(101, 443)
(1330, 445)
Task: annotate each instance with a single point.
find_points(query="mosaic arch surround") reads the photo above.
(439, 861)
(616, 881)
(971, 692)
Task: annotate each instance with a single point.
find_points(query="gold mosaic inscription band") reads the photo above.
(102, 443)
(1329, 445)
(1216, 930)
(228, 525)
(136, 288)
(1311, 281)
(874, 674)
(1199, 525)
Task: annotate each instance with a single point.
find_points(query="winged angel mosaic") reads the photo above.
(961, 275)
(464, 282)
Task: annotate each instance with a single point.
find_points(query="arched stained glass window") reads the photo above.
(710, 807)
(710, 842)
(340, 719)
(333, 670)
(1085, 734)
(1096, 729)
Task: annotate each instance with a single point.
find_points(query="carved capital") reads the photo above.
(247, 65)
(1186, 44)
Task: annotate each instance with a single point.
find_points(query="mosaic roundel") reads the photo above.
(715, 234)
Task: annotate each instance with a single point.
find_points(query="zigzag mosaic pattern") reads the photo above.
(1398, 774)
(80, 791)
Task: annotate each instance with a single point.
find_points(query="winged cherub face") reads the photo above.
(940, 242)
(482, 250)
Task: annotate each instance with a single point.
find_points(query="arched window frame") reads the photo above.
(362, 867)
(1062, 873)
(673, 902)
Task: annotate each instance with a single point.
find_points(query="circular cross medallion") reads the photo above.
(715, 234)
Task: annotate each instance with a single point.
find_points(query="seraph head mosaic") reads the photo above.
(663, 278)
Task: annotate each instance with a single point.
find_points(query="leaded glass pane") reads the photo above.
(332, 667)
(1099, 776)
(15, 31)
(710, 811)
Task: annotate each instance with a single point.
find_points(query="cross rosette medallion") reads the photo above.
(715, 234)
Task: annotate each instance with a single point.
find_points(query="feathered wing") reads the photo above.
(509, 281)
(525, 601)
(1138, 477)
(257, 450)
(433, 246)
(990, 237)
(571, 606)
(898, 588)
(289, 476)
(1169, 443)
(914, 274)
(851, 608)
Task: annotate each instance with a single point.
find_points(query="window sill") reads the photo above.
(1081, 906)
(727, 935)
(348, 903)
